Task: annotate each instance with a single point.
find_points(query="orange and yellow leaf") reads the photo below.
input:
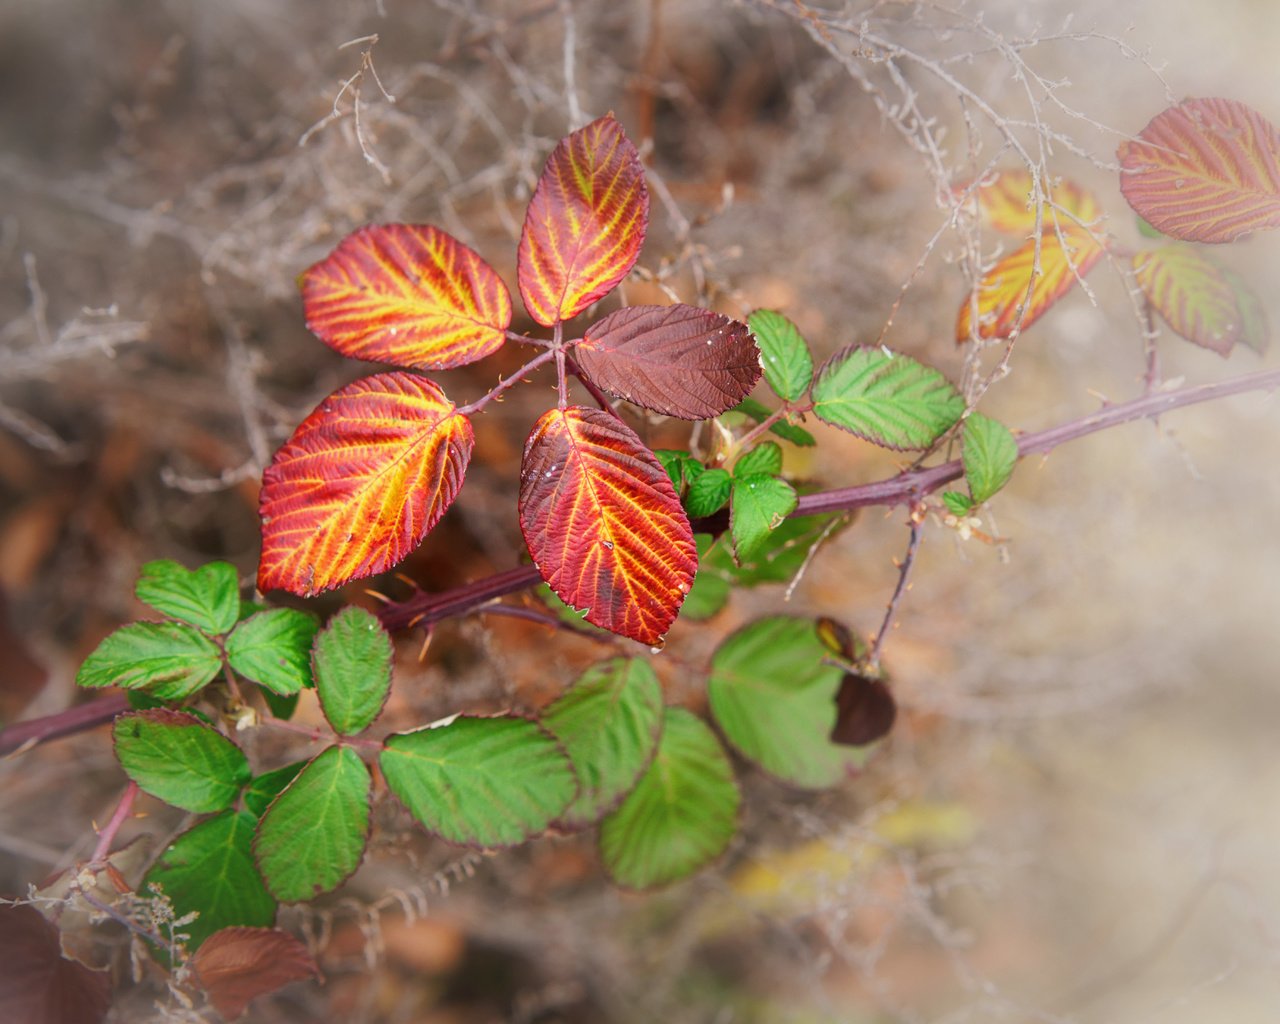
(603, 523)
(585, 224)
(409, 295)
(360, 483)
(1005, 201)
(1207, 170)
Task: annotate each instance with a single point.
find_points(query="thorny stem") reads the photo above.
(512, 611)
(752, 435)
(524, 339)
(108, 834)
(505, 383)
(318, 734)
(904, 570)
(562, 384)
(907, 488)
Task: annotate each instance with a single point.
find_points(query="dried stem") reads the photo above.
(904, 571)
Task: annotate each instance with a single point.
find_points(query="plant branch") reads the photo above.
(107, 836)
(904, 570)
(506, 382)
(75, 719)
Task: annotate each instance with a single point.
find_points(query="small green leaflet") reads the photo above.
(266, 787)
(957, 504)
(209, 868)
(890, 400)
(788, 366)
(352, 667)
(713, 584)
(1255, 332)
(760, 504)
(682, 467)
(273, 648)
(989, 453)
(313, 834)
(774, 699)
(708, 493)
(207, 597)
(480, 781)
(170, 659)
(759, 412)
(682, 813)
(179, 759)
(763, 458)
(608, 721)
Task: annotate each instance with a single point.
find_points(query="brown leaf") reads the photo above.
(865, 710)
(236, 965)
(39, 986)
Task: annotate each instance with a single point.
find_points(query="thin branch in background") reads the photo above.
(570, 46)
(353, 85)
(512, 611)
(904, 571)
(225, 480)
(108, 834)
(39, 303)
(822, 538)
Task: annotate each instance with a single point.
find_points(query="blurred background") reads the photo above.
(1078, 815)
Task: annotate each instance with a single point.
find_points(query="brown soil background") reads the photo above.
(1076, 819)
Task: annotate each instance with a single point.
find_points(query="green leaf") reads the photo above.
(989, 454)
(890, 400)
(480, 781)
(708, 493)
(313, 834)
(280, 706)
(763, 458)
(207, 597)
(712, 584)
(564, 613)
(180, 760)
(760, 504)
(209, 869)
(273, 648)
(248, 608)
(170, 659)
(1255, 332)
(788, 366)
(786, 430)
(352, 667)
(682, 467)
(774, 700)
(1147, 231)
(682, 813)
(957, 504)
(266, 787)
(608, 722)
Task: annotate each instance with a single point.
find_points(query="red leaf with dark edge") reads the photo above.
(865, 710)
(585, 224)
(236, 965)
(677, 360)
(603, 523)
(1192, 295)
(1207, 170)
(37, 984)
(409, 295)
(360, 483)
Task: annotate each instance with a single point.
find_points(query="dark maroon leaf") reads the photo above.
(865, 710)
(677, 360)
(37, 984)
(236, 965)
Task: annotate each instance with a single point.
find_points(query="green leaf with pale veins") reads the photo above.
(681, 467)
(266, 787)
(788, 366)
(682, 813)
(170, 659)
(774, 699)
(480, 781)
(890, 400)
(763, 458)
(759, 505)
(273, 648)
(608, 722)
(989, 453)
(351, 661)
(957, 504)
(313, 834)
(209, 869)
(708, 493)
(207, 597)
(179, 759)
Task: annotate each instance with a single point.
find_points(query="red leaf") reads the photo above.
(603, 523)
(360, 483)
(1192, 294)
(1207, 170)
(409, 295)
(37, 984)
(585, 224)
(677, 360)
(1003, 289)
(236, 965)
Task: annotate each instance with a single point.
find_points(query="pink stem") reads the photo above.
(107, 836)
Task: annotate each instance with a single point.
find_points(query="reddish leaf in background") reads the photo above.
(1005, 200)
(865, 710)
(1192, 294)
(1003, 289)
(37, 984)
(604, 525)
(585, 224)
(1207, 170)
(409, 295)
(677, 360)
(360, 482)
(236, 965)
